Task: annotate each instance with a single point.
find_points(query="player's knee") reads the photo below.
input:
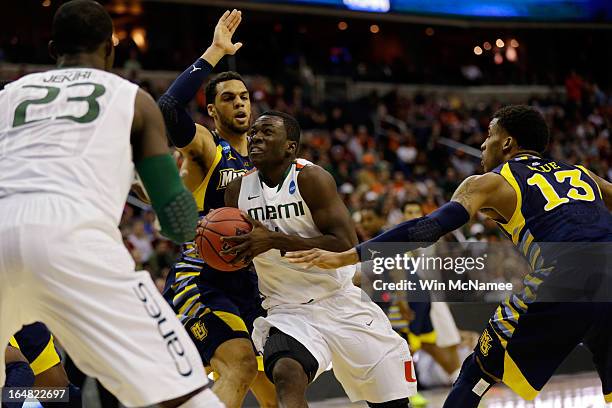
(13, 355)
(247, 365)
(398, 403)
(53, 377)
(240, 364)
(284, 356)
(288, 375)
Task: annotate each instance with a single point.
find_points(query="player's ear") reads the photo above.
(507, 144)
(210, 108)
(52, 50)
(291, 147)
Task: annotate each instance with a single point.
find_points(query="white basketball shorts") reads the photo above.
(62, 264)
(350, 332)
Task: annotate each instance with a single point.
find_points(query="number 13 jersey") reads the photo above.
(556, 202)
(67, 132)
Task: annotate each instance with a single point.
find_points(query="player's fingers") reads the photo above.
(224, 17)
(234, 20)
(237, 22)
(254, 223)
(237, 46)
(242, 259)
(299, 254)
(234, 250)
(305, 258)
(236, 239)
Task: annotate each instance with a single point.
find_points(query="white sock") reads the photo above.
(205, 399)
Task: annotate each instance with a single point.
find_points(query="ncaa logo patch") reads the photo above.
(292, 187)
(199, 331)
(224, 146)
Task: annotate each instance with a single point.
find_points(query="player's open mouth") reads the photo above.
(241, 117)
(255, 150)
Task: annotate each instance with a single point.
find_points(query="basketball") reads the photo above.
(222, 222)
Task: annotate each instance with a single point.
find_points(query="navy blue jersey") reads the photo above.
(190, 276)
(556, 202)
(559, 214)
(227, 165)
(562, 226)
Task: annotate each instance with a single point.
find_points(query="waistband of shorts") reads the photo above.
(342, 290)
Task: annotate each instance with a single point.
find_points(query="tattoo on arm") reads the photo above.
(464, 193)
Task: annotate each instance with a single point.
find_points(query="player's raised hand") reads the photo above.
(323, 259)
(225, 29)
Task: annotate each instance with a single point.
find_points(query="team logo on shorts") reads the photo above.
(485, 343)
(199, 331)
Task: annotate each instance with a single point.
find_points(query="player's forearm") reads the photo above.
(424, 230)
(173, 104)
(289, 243)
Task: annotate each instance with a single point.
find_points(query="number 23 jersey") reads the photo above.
(67, 132)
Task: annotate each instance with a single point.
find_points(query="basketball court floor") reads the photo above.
(563, 391)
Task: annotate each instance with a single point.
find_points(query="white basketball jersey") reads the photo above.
(67, 132)
(284, 210)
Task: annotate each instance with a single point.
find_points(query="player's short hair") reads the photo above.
(526, 125)
(211, 87)
(291, 125)
(81, 26)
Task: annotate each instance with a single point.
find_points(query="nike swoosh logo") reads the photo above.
(252, 197)
(195, 69)
(369, 324)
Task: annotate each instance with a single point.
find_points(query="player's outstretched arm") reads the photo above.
(331, 217)
(188, 137)
(488, 191)
(174, 205)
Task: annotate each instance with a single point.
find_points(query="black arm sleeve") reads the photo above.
(427, 229)
(179, 123)
(173, 104)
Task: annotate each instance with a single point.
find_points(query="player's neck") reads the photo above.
(80, 61)
(522, 153)
(237, 141)
(273, 176)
